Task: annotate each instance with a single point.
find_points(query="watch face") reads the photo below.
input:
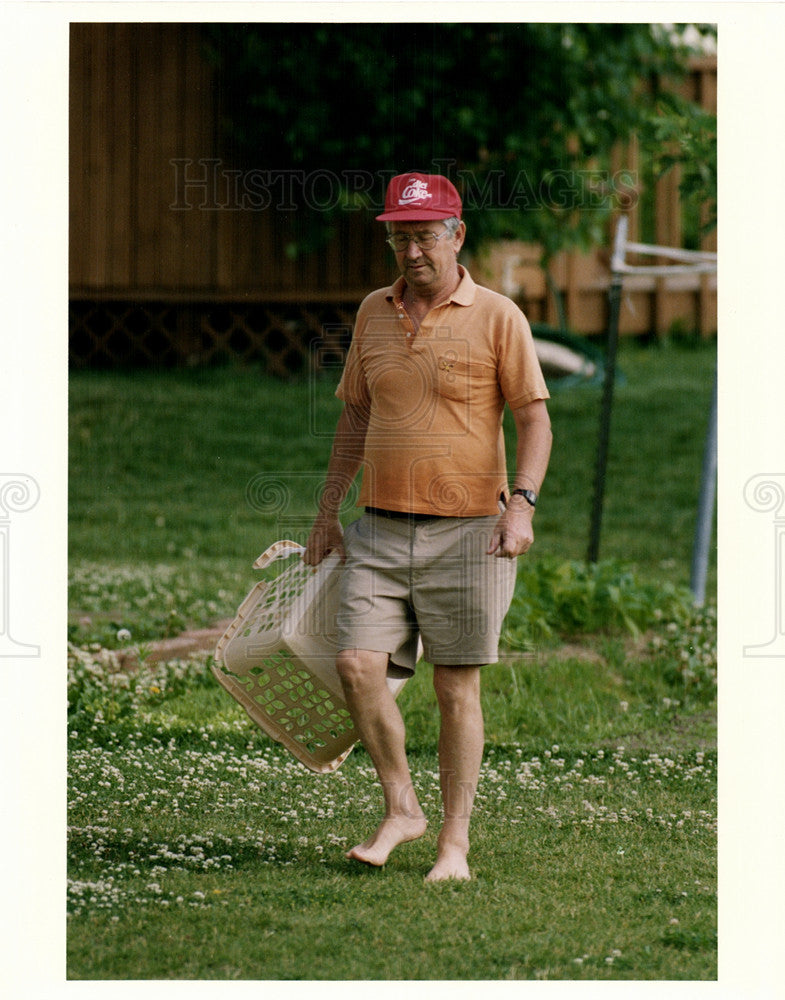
(529, 495)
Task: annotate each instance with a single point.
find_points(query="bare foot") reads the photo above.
(391, 832)
(451, 863)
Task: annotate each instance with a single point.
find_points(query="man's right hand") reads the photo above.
(326, 536)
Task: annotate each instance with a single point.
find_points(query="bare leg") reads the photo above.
(378, 720)
(461, 741)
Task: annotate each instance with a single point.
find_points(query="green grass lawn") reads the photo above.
(198, 849)
(593, 857)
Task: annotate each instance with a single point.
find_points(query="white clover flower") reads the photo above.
(123, 635)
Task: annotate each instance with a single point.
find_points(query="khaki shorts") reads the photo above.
(431, 579)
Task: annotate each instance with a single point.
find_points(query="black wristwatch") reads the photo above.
(528, 495)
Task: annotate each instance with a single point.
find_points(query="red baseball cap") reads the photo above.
(414, 196)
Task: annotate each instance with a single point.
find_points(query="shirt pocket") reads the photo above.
(461, 380)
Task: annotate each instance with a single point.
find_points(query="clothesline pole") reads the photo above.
(690, 261)
(605, 418)
(705, 521)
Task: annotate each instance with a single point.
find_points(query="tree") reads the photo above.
(522, 117)
(678, 133)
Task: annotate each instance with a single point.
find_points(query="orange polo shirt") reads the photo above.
(436, 398)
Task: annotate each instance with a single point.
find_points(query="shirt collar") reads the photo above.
(462, 296)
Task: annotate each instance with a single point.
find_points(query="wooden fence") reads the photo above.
(173, 258)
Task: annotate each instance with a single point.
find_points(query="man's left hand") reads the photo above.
(513, 534)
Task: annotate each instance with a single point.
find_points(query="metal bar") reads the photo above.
(705, 518)
(664, 270)
(619, 245)
(605, 419)
(675, 253)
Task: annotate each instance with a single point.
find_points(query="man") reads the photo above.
(433, 361)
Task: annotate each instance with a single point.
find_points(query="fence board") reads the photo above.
(177, 255)
(121, 159)
(99, 149)
(198, 231)
(78, 215)
(154, 92)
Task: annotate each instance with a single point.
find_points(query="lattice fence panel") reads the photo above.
(286, 338)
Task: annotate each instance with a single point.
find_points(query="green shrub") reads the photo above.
(563, 598)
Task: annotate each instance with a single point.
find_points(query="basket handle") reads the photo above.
(278, 550)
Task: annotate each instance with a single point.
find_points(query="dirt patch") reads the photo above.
(196, 640)
(589, 649)
(177, 648)
(683, 734)
(576, 651)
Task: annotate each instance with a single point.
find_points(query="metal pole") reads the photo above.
(605, 418)
(704, 525)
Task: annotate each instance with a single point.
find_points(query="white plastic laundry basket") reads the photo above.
(277, 659)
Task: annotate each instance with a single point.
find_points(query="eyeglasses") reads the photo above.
(425, 241)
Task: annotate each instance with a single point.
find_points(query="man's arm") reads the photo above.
(345, 461)
(513, 534)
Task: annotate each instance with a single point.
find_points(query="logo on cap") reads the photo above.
(414, 192)
(415, 196)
